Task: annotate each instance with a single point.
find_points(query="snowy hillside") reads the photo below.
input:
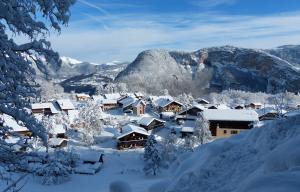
(210, 69)
(263, 159)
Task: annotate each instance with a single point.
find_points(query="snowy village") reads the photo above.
(163, 96)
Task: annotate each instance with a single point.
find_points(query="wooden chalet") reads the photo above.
(65, 105)
(132, 136)
(202, 101)
(239, 107)
(268, 113)
(90, 162)
(44, 108)
(107, 104)
(150, 123)
(138, 95)
(82, 97)
(190, 113)
(16, 127)
(127, 103)
(169, 105)
(58, 131)
(227, 122)
(139, 107)
(254, 105)
(57, 142)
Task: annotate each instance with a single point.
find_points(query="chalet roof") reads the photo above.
(65, 104)
(56, 141)
(9, 121)
(48, 105)
(255, 103)
(91, 156)
(219, 106)
(108, 101)
(148, 120)
(230, 115)
(130, 128)
(187, 129)
(82, 95)
(138, 102)
(112, 96)
(127, 101)
(139, 94)
(97, 97)
(58, 129)
(166, 102)
(200, 107)
(202, 100)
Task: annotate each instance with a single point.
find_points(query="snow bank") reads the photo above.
(266, 158)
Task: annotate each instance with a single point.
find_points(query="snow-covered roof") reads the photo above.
(130, 128)
(230, 115)
(166, 102)
(139, 94)
(58, 129)
(188, 129)
(148, 120)
(203, 100)
(73, 114)
(108, 101)
(112, 96)
(138, 102)
(56, 141)
(97, 97)
(45, 106)
(127, 101)
(65, 104)
(9, 121)
(256, 103)
(82, 95)
(92, 156)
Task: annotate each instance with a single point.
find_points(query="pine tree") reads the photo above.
(152, 156)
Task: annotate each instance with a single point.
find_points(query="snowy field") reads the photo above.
(118, 166)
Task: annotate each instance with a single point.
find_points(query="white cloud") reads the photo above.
(127, 35)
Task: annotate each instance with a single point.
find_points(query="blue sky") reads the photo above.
(106, 30)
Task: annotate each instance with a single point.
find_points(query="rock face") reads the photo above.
(212, 69)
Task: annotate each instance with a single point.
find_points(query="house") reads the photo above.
(254, 105)
(169, 105)
(217, 106)
(89, 162)
(107, 104)
(65, 105)
(132, 136)
(190, 113)
(268, 113)
(138, 95)
(58, 131)
(227, 122)
(82, 97)
(150, 123)
(57, 142)
(139, 107)
(44, 108)
(239, 107)
(112, 96)
(127, 102)
(202, 101)
(187, 128)
(16, 127)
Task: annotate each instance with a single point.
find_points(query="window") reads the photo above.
(225, 131)
(234, 132)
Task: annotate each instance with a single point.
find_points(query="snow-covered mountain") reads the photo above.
(211, 69)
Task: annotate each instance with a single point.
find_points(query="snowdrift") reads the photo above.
(267, 158)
